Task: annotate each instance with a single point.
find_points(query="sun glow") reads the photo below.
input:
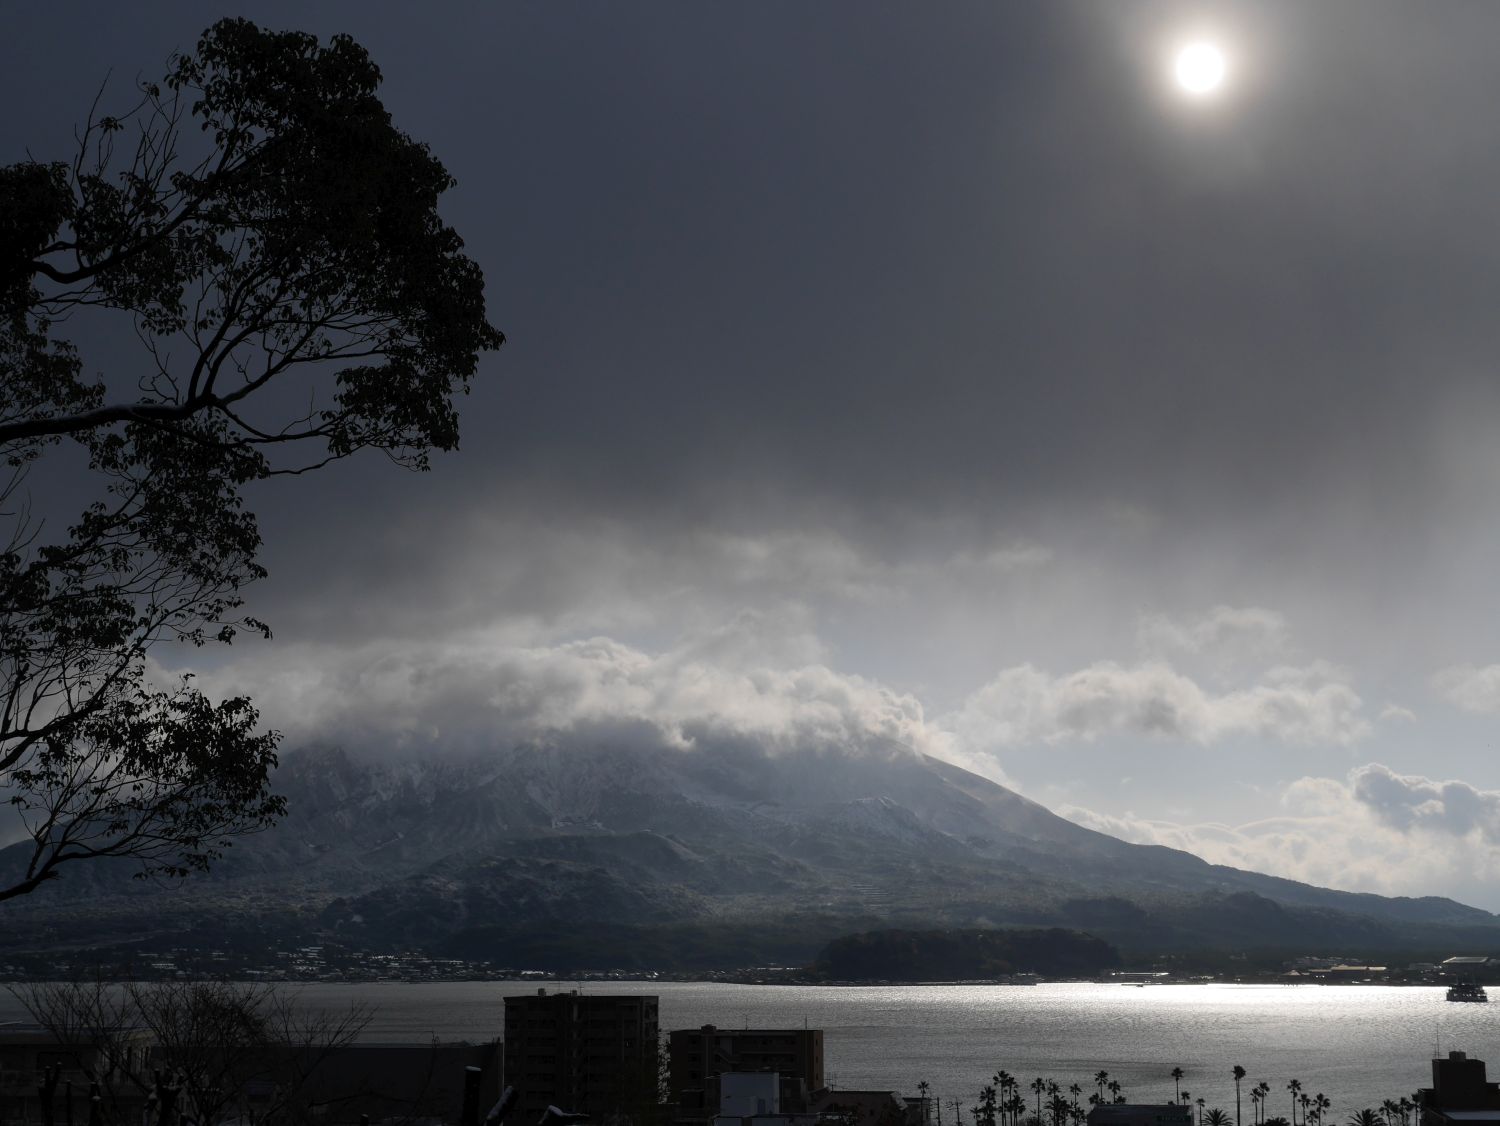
(1199, 69)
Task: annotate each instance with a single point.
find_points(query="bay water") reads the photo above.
(1356, 1044)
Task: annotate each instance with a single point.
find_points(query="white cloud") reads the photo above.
(767, 675)
(1470, 688)
(1308, 705)
(756, 677)
(1408, 802)
(1238, 630)
(1373, 830)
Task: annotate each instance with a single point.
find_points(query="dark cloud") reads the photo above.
(919, 260)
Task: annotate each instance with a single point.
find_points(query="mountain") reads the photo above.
(638, 856)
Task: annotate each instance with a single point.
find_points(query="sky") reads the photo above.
(936, 373)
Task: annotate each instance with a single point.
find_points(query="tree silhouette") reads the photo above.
(1177, 1074)
(986, 1112)
(210, 1041)
(1006, 1082)
(276, 243)
(1216, 1117)
(1295, 1087)
(1367, 1117)
(1239, 1073)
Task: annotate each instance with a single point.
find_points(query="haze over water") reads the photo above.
(1356, 1044)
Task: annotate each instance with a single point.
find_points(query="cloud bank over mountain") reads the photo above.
(768, 682)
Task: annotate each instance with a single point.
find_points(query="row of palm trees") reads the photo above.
(1004, 1103)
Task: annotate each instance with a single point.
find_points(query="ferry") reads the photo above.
(1467, 991)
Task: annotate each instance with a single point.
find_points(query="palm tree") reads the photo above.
(1100, 1079)
(1216, 1117)
(1407, 1106)
(1321, 1102)
(1306, 1100)
(1075, 1090)
(1390, 1110)
(1239, 1073)
(1368, 1117)
(1201, 1102)
(1177, 1074)
(922, 1088)
(1114, 1089)
(1255, 1103)
(1295, 1087)
(1038, 1085)
(984, 1113)
(1265, 1090)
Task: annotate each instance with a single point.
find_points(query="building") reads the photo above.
(697, 1053)
(868, 1108)
(1141, 1114)
(753, 1099)
(592, 1053)
(1470, 967)
(756, 1095)
(1460, 1093)
(396, 1082)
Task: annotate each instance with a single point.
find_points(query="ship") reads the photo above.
(1467, 991)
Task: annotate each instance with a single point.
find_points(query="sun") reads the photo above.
(1199, 69)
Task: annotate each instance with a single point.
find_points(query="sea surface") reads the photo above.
(1356, 1044)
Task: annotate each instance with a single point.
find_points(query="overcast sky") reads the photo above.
(936, 372)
